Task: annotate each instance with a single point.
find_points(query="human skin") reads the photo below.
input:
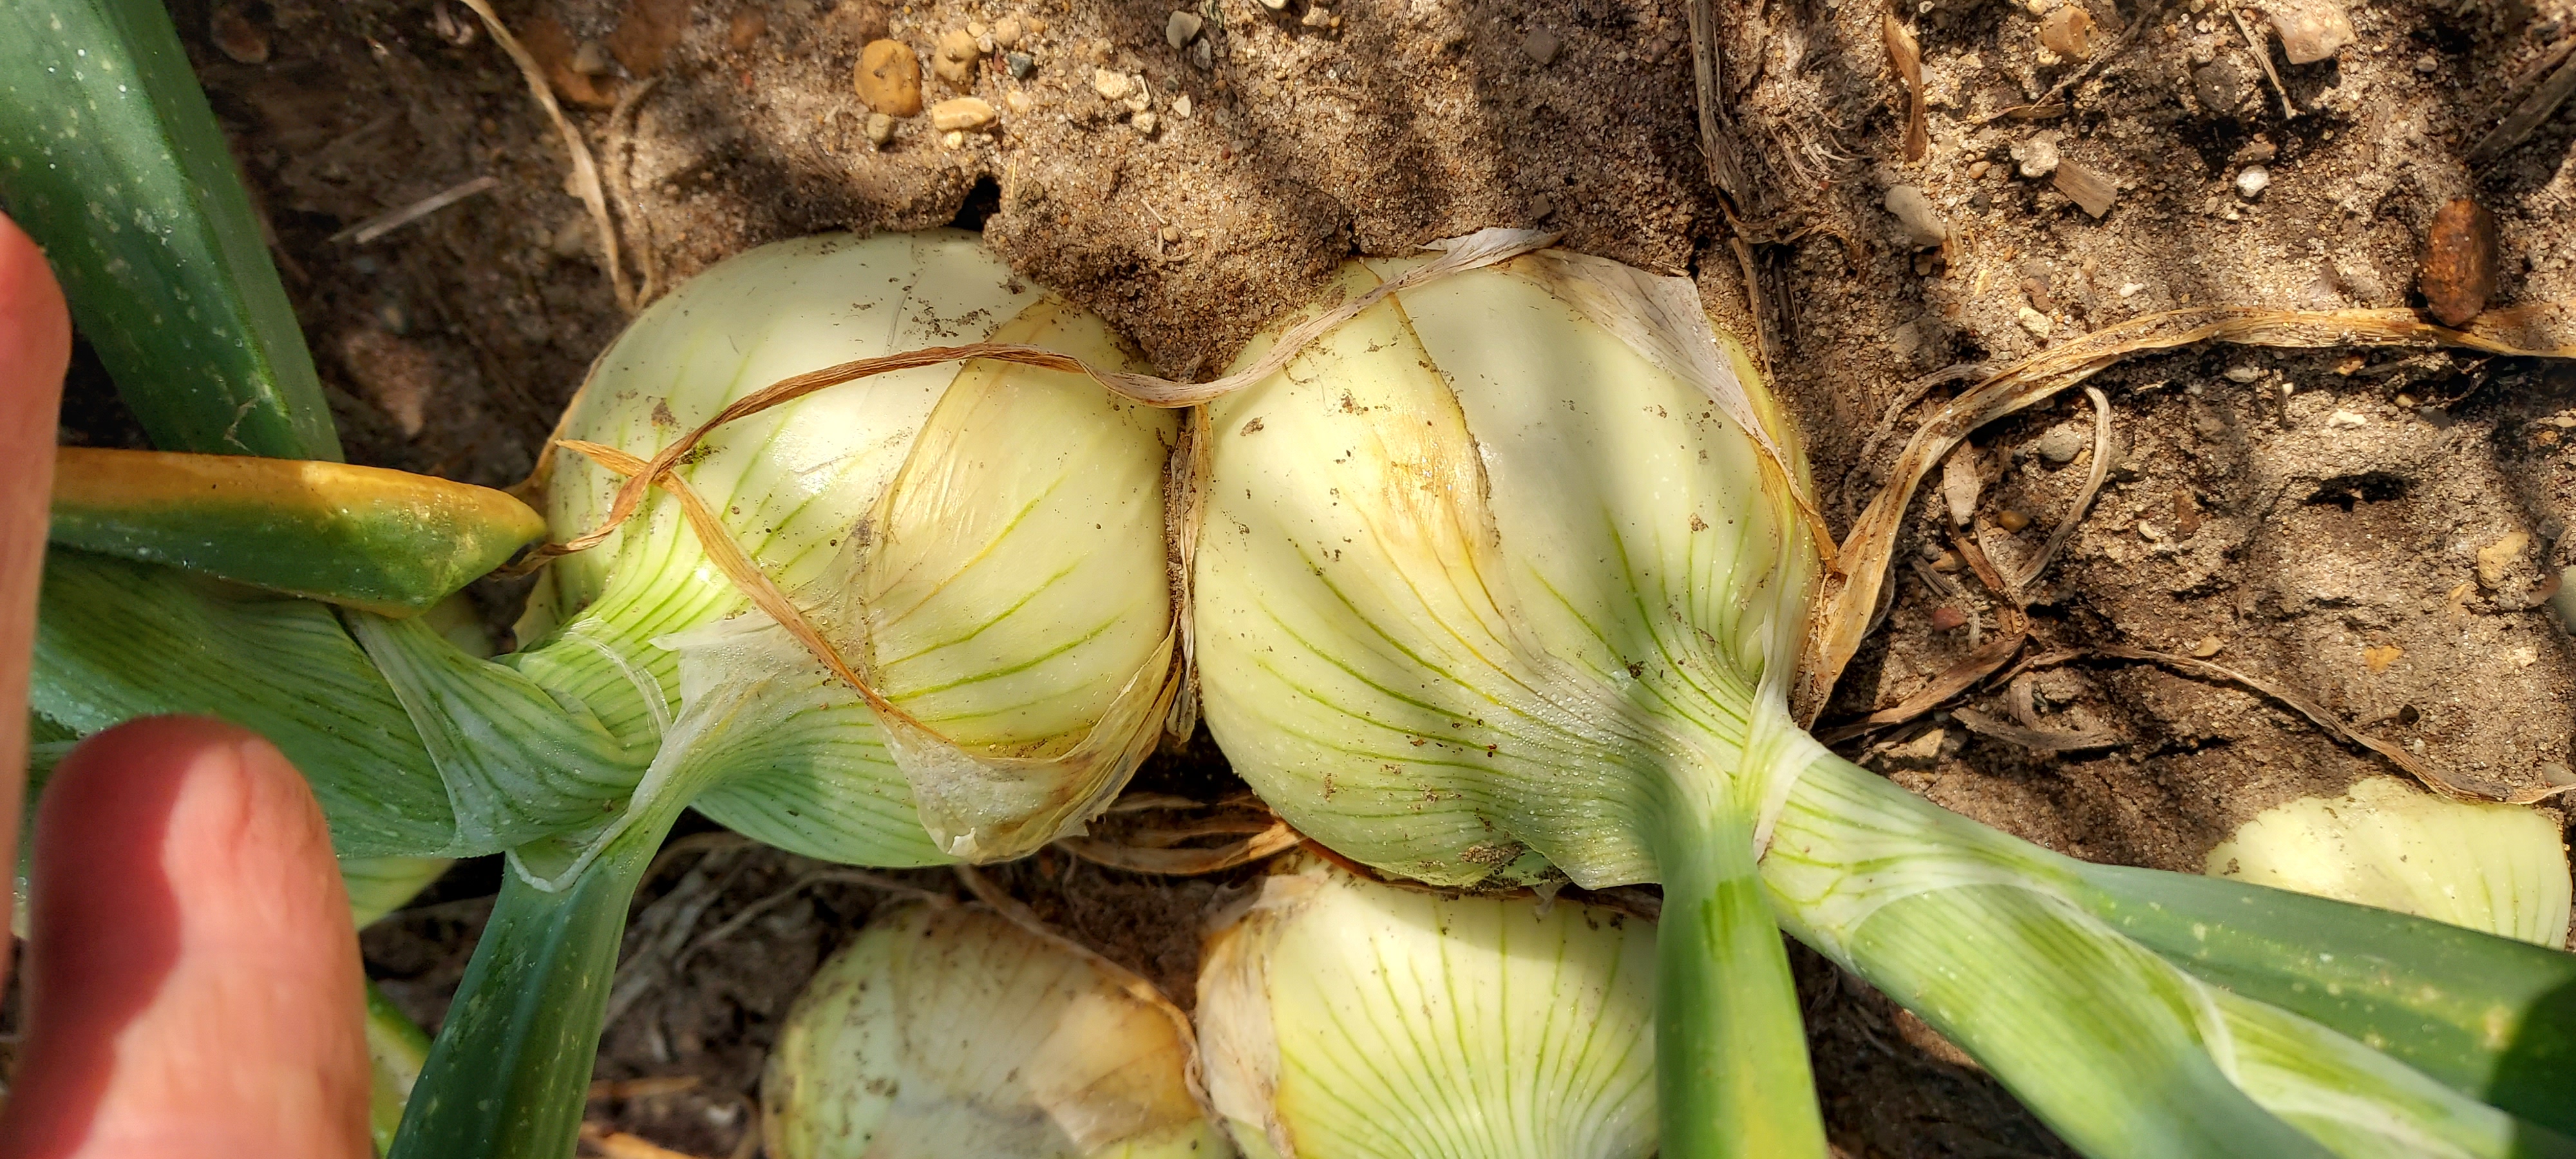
(193, 984)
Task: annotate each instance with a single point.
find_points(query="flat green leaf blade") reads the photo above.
(2489, 1016)
(389, 542)
(111, 158)
(116, 640)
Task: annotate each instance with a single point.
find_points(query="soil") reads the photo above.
(2315, 517)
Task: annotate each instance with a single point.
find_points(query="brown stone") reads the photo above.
(2311, 30)
(553, 49)
(955, 57)
(2067, 30)
(2459, 272)
(889, 78)
(234, 33)
(968, 114)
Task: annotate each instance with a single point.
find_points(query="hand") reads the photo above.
(193, 984)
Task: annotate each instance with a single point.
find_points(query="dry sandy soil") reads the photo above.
(2314, 517)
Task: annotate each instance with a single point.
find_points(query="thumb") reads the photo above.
(193, 980)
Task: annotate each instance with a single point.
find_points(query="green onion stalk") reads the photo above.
(1504, 579)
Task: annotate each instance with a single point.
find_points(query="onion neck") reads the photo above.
(1732, 1073)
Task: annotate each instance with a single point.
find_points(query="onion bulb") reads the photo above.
(1503, 579)
(2497, 868)
(947, 1031)
(1345, 1019)
(982, 546)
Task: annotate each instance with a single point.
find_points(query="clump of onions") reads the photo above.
(2497, 868)
(1342, 1018)
(951, 1030)
(1506, 576)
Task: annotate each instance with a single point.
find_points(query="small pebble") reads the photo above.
(1203, 55)
(2038, 155)
(2067, 31)
(1147, 124)
(1977, 169)
(2033, 321)
(2252, 181)
(1007, 32)
(955, 57)
(969, 114)
(2223, 85)
(1924, 750)
(976, 29)
(2131, 289)
(2557, 773)
(592, 59)
(2061, 443)
(239, 39)
(2011, 520)
(2496, 560)
(1318, 16)
(2459, 270)
(1946, 561)
(2311, 30)
(2427, 65)
(1541, 46)
(953, 138)
(1171, 235)
(1021, 65)
(1111, 84)
(1181, 106)
(2243, 374)
(2345, 420)
(1947, 618)
(2207, 647)
(1921, 223)
(880, 129)
(889, 78)
(1019, 101)
(1180, 28)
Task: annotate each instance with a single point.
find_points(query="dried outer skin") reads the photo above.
(2459, 274)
